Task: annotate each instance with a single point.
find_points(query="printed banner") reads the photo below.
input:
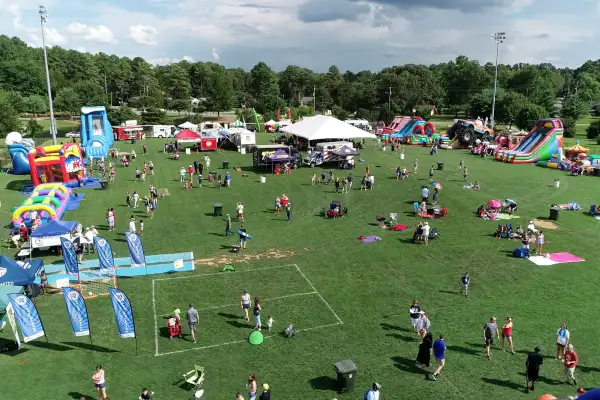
(10, 313)
(178, 264)
(123, 313)
(136, 250)
(27, 317)
(69, 256)
(105, 254)
(77, 311)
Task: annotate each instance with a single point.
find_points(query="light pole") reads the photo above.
(43, 18)
(498, 37)
(389, 93)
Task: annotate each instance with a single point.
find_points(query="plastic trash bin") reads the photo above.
(554, 212)
(225, 164)
(440, 165)
(346, 375)
(133, 140)
(217, 209)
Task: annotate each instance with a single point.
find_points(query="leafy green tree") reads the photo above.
(340, 113)
(593, 130)
(67, 100)
(180, 105)
(119, 115)
(154, 116)
(219, 91)
(264, 88)
(176, 81)
(528, 116)
(570, 127)
(574, 108)
(35, 104)
(508, 107)
(34, 129)
(9, 117)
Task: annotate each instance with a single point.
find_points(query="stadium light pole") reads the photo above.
(43, 18)
(498, 37)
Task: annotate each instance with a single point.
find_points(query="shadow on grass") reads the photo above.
(18, 185)
(408, 365)
(404, 338)
(79, 396)
(550, 381)
(477, 345)
(504, 383)
(85, 346)
(587, 370)
(238, 324)
(464, 350)
(390, 327)
(229, 315)
(324, 383)
(51, 346)
(449, 292)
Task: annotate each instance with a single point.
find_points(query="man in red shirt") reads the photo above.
(570, 362)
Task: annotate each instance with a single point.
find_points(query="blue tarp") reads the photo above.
(18, 273)
(55, 228)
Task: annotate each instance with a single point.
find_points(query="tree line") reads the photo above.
(461, 87)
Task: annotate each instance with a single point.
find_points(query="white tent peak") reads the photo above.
(326, 127)
(188, 125)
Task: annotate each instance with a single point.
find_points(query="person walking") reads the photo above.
(415, 166)
(539, 242)
(132, 224)
(465, 173)
(507, 327)
(266, 394)
(414, 311)
(439, 352)
(245, 303)
(145, 395)
(464, 284)
(252, 386)
(562, 340)
(256, 311)
(228, 226)
(192, 318)
(461, 164)
(490, 331)
(196, 166)
(373, 393)
(136, 199)
(99, 380)
(423, 325)
(424, 355)
(288, 211)
(128, 199)
(570, 363)
(532, 368)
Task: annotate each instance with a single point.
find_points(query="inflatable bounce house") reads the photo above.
(543, 142)
(410, 130)
(47, 202)
(18, 148)
(96, 133)
(59, 163)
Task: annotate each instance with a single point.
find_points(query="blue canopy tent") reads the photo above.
(19, 273)
(49, 234)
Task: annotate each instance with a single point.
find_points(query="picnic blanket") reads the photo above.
(555, 258)
(504, 216)
(397, 227)
(369, 239)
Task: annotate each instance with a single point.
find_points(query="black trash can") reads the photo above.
(217, 209)
(225, 164)
(554, 212)
(346, 375)
(440, 166)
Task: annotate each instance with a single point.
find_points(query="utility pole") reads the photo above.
(43, 18)
(315, 100)
(498, 37)
(390, 98)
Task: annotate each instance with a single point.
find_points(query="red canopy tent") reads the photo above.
(188, 136)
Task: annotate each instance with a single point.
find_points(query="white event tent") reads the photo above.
(322, 127)
(189, 125)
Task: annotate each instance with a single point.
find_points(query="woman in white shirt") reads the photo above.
(423, 325)
(245, 303)
(562, 340)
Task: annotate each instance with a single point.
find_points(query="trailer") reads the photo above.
(260, 152)
(127, 131)
(325, 153)
(159, 131)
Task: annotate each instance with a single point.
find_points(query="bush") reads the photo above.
(570, 125)
(593, 131)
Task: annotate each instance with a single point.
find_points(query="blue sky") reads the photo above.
(352, 34)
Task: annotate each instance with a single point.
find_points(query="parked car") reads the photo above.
(73, 135)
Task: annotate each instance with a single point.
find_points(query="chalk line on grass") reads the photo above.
(155, 319)
(223, 273)
(319, 294)
(237, 304)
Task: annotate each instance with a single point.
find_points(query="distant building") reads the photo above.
(307, 101)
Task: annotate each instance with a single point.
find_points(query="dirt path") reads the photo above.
(231, 258)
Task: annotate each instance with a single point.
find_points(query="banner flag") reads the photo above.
(123, 313)
(10, 313)
(69, 256)
(77, 311)
(136, 250)
(105, 254)
(27, 317)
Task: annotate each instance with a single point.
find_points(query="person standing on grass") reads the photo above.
(242, 232)
(539, 241)
(439, 352)
(532, 368)
(228, 226)
(373, 393)
(138, 175)
(490, 331)
(240, 211)
(252, 387)
(196, 166)
(414, 312)
(424, 355)
(256, 311)
(136, 199)
(570, 363)
(398, 172)
(238, 396)
(145, 149)
(461, 164)
(141, 227)
(465, 173)
(349, 178)
(464, 284)
(288, 211)
(100, 382)
(562, 340)
(435, 195)
(132, 224)
(266, 394)
(192, 318)
(425, 193)
(507, 334)
(431, 173)
(415, 166)
(145, 395)
(128, 199)
(245, 303)
(423, 325)
(151, 168)
(277, 205)
(181, 174)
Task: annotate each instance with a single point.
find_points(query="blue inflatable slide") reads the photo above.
(18, 149)
(96, 132)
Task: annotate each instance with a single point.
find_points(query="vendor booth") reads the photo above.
(344, 156)
(48, 235)
(189, 125)
(279, 161)
(19, 273)
(188, 136)
(323, 127)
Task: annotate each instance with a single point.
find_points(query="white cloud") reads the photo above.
(143, 34)
(167, 60)
(97, 34)
(52, 36)
(188, 59)
(215, 55)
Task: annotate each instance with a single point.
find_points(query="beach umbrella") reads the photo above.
(436, 185)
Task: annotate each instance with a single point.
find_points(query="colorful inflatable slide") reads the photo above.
(58, 163)
(96, 133)
(18, 148)
(48, 201)
(544, 140)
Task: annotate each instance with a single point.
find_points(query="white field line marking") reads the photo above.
(287, 296)
(319, 294)
(223, 273)
(155, 320)
(212, 346)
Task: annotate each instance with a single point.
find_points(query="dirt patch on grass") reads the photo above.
(231, 258)
(544, 224)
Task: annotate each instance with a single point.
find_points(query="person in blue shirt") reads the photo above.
(439, 352)
(373, 393)
(464, 284)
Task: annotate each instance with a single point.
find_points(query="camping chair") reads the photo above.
(195, 377)
(416, 206)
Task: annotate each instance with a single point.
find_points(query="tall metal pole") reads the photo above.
(43, 18)
(390, 99)
(498, 38)
(315, 100)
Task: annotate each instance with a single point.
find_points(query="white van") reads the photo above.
(159, 131)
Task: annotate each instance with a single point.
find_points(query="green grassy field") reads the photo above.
(349, 299)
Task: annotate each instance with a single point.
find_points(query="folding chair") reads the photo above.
(393, 218)
(416, 206)
(194, 378)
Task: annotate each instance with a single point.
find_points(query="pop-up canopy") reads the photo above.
(324, 127)
(188, 136)
(17, 273)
